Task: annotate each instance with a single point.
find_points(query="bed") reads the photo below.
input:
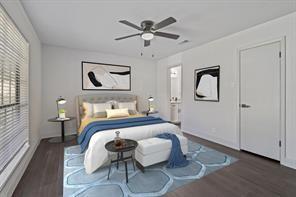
(95, 153)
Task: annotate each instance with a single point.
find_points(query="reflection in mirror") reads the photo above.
(175, 79)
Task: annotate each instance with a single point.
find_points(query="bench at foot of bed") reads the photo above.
(155, 150)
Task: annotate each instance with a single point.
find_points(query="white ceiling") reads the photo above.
(93, 24)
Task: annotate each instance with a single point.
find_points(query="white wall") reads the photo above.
(218, 121)
(17, 13)
(62, 77)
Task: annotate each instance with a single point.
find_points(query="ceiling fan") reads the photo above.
(149, 29)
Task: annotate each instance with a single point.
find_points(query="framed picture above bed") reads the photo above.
(101, 76)
(207, 84)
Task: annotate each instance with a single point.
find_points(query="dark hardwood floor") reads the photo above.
(250, 176)
(44, 175)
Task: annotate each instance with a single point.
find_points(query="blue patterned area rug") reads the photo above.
(156, 181)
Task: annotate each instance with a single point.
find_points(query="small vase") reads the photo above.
(117, 139)
(62, 115)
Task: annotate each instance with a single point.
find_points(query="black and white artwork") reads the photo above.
(206, 84)
(100, 76)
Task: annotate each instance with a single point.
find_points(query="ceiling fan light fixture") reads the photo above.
(148, 29)
(147, 36)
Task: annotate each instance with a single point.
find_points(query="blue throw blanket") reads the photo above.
(97, 126)
(176, 158)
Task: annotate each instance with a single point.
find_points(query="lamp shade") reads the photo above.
(150, 98)
(147, 35)
(61, 101)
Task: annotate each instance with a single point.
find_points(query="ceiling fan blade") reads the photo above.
(164, 23)
(130, 24)
(124, 37)
(166, 35)
(146, 43)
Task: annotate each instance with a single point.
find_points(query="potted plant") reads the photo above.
(62, 113)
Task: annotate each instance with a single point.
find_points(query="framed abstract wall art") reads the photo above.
(101, 76)
(207, 84)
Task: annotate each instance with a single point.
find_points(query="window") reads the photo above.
(14, 52)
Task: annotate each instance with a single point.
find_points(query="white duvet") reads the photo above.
(96, 154)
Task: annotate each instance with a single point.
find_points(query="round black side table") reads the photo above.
(129, 145)
(63, 138)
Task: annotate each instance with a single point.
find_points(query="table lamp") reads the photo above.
(60, 101)
(150, 99)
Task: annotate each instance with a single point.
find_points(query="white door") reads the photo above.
(260, 100)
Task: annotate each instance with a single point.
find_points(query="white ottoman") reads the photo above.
(155, 150)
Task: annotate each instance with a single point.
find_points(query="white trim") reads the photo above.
(12, 165)
(213, 139)
(282, 136)
(29, 154)
(73, 132)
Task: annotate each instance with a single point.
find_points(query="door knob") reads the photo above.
(245, 106)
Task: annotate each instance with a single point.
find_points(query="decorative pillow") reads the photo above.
(99, 109)
(133, 112)
(117, 113)
(102, 114)
(131, 106)
(87, 109)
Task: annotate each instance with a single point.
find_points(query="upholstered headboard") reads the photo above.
(100, 98)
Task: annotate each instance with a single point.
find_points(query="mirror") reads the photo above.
(176, 84)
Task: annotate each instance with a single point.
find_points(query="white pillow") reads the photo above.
(117, 113)
(100, 109)
(87, 109)
(132, 109)
(97, 110)
(129, 105)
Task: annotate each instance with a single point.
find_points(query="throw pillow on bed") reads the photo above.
(99, 109)
(117, 113)
(87, 109)
(96, 110)
(131, 106)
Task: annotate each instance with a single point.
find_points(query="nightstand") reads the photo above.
(63, 138)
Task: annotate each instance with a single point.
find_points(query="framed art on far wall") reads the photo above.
(101, 76)
(207, 84)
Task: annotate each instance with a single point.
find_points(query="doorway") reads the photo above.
(175, 96)
(261, 99)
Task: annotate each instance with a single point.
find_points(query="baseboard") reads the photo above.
(289, 163)
(11, 184)
(285, 162)
(213, 139)
(57, 135)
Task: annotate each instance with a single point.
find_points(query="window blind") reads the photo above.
(14, 60)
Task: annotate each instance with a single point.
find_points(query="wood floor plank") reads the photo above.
(250, 176)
